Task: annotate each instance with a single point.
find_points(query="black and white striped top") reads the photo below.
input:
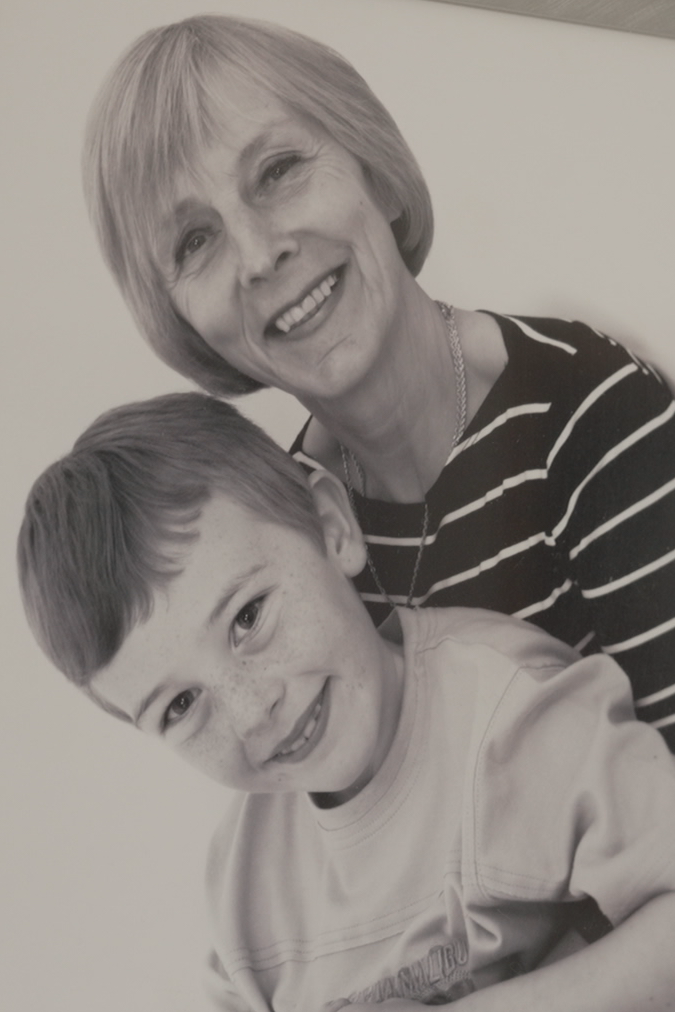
(557, 506)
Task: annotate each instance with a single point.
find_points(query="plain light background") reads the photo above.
(550, 155)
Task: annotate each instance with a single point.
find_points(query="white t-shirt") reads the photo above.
(517, 781)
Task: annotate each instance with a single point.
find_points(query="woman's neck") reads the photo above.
(400, 421)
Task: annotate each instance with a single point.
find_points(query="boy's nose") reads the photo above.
(252, 702)
(262, 246)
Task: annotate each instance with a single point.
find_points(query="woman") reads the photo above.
(266, 221)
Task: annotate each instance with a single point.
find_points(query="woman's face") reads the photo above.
(278, 254)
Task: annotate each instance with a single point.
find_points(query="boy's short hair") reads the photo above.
(106, 526)
(163, 102)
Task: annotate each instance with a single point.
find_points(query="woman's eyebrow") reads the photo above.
(251, 150)
(178, 213)
(233, 587)
(254, 147)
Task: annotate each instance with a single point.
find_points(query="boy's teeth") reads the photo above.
(292, 317)
(307, 732)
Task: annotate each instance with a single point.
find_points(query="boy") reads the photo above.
(418, 808)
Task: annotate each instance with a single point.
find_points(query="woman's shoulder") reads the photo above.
(537, 356)
(568, 359)
(561, 340)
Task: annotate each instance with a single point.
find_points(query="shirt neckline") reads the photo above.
(489, 409)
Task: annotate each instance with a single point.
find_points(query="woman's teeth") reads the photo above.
(310, 727)
(296, 314)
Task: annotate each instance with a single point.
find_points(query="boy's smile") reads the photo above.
(307, 732)
(258, 662)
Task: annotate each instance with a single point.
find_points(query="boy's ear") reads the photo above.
(341, 532)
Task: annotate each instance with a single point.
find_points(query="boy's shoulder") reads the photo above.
(239, 855)
(520, 643)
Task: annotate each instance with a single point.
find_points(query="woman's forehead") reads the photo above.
(239, 125)
(231, 95)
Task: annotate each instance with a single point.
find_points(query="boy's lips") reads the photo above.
(314, 298)
(306, 733)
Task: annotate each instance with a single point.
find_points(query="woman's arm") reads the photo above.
(616, 478)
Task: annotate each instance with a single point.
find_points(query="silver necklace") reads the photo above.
(460, 424)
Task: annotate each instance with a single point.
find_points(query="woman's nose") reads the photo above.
(262, 247)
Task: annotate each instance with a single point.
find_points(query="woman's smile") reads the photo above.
(277, 231)
(307, 306)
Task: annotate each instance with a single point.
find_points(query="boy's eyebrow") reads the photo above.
(110, 708)
(148, 701)
(232, 588)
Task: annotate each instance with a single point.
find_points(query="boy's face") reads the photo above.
(259, 663)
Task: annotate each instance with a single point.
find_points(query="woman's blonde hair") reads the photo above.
(161, 104)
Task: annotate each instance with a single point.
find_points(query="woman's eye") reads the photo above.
(247, 618)
(278, 169)
(190, 245)
(179, 706)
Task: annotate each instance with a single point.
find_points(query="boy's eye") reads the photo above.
(274, 172)
(179, 706)
(246, 619)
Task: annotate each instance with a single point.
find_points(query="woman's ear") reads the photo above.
(341, 532)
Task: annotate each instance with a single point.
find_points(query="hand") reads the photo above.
(391, 1005)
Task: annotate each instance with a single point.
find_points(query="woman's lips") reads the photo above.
(307, 732)
(306, 307)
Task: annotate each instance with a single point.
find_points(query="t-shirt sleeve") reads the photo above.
(572, 797)
(614, 474)
(220, 992)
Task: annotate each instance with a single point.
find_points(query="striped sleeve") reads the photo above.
(614, 469)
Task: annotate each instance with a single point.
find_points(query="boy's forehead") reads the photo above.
(231, 547)
(226, 545)
(227, 536)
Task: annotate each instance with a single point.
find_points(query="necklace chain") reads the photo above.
(460, 424)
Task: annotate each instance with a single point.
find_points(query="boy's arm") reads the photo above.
(597, 792)
(632, 969)
(585, 798)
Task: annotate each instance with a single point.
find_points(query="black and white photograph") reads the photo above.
(339, 509)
